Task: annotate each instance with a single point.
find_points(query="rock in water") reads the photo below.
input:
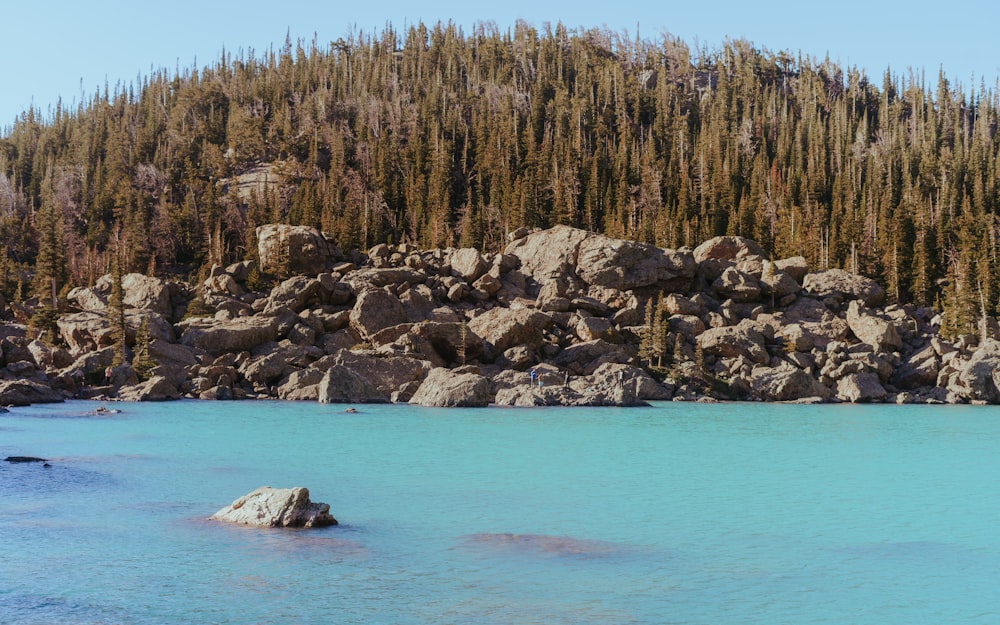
(277, 507)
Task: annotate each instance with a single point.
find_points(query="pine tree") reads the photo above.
(142, 360)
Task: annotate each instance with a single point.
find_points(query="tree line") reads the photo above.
(439, 137)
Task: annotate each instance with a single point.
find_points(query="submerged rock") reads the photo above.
(277, 507)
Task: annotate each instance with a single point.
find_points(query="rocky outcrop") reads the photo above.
(842, 286)
(341, 385)
(277, 507)
(785, 383)
(157, 388)
(446, 388)
(27, 391)
(286, 251)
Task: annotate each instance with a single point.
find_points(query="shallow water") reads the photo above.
(679, 513)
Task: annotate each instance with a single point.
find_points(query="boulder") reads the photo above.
(981, 375)
(385, 373)
(728, 248)
(919, 370)
(376, 310)
(88, 331)
(469, 264)
(232, 336)
(25, 392)
(735, 285)
(585, 358)
(843, 286)
(341, 385)
(296, 293)
(548, 254)
(624, 265)
(785, 383)
(286, 250)
(157, 388)
(277, 507)
(797, 267)
(734, 341)
(872, 328)
(860, 387)
(645, 387)
(445, 388)
(148, 293)
(503, 328)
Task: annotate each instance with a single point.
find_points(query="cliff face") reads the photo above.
(561, 317)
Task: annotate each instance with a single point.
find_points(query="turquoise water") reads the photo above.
(679, 513)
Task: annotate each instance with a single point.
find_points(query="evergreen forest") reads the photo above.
(440, 137)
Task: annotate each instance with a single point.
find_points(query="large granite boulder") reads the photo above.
(550, 254)
(503, 328)
(88, 331)
(341, 385)
(277, 507)
(468, 264)
(27, 391)
(728, 248)
(785, 383)
(157, 388)
(843, 286)
(981, 375)
(735, 285)
(376, 310)
(294, 250)
(872, 328)
(138, 291)
(444, 387)
(563, 252)
(296, 293)
(735, 341)
(232, 336)
(585, 358)
(860, 388)
(625, 265)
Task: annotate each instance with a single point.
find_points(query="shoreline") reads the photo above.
(561, 317)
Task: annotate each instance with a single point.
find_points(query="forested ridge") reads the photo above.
(439, 137)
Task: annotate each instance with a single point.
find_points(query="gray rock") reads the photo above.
(503, 328)
(843, 286)
(443, 387)
(27, 391)
(277, 507)
(728, 248)
(342, 385)
(860, 387)
(233, 336)
(734, 341)
(872, 328)
(469, 264)
(785, 384)
(376, 310)
(157, 388)
(286, 250)
(981, 375)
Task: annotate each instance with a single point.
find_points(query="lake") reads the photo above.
(679, 513)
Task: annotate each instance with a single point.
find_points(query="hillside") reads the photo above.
(436, 137)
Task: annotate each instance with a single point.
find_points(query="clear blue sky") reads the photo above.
(63, 48)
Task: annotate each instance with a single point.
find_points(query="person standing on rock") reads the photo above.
(621, 378)
(534, 377)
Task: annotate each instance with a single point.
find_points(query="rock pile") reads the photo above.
(455, 327)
